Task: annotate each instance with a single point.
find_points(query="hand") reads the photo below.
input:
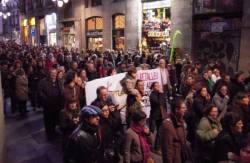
(216, 131)
(112, 108)
(79, 81)
(146, 130)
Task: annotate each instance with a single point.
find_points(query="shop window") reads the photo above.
(119, 22)
(95, 23)
(118, 31)
(96, 3)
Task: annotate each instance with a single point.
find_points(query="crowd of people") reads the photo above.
(199, 112)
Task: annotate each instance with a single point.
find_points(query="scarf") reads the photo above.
(143, 140)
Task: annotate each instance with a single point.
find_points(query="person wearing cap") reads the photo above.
(137, 140)
(85, 144)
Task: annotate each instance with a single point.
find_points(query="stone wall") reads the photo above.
(2, 133)
(133, 28)
(181, 17)
(244, 60)
(107, 10)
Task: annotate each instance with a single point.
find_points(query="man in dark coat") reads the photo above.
(85, 144)
(51, 94)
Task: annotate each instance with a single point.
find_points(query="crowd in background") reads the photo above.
(199, 114)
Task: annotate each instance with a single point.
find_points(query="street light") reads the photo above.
(60, 3)
(4, 10)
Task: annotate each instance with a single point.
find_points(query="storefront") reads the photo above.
(156, 25)
(25, 31)
(118, 31)
(94, 33)
(68, 34)
(42, 31)
(33, 31)
(51, 21)
(217, 30)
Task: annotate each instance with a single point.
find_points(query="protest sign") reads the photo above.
(112, 83)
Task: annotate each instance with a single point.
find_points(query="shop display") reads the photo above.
(156, 28)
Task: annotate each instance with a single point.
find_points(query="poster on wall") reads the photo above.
(112, 83)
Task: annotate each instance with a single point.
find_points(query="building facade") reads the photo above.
(124, 24)
(10, 25)
(38, 22)
(209, 28)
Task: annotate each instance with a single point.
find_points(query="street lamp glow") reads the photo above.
(8, 14)
(1, 14)
(65, 1)
(5, 16)
(60, 3)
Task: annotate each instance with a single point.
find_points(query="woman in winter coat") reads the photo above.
(207, 131)
(138, 140)
(230, 140)
(110, 136)
(200, 102)
(21, 91)
(173, 135)
(221, 100)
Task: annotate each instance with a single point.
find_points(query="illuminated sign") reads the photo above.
(157, 4)
(24, 23)
(158, 33)
(32, 21)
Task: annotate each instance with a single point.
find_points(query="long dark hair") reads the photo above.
(177, 104)
(70, 77)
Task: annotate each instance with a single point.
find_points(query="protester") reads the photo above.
(207, 131)
(85, 144)
(72, 91)
(200, 102)
(237, 84)
(173, 135)
(164, 76)
(138, 140)
(128, 85)
(240, 106)
(51, 94)
(200, 82)
(157, 112)
(110, 136)
(21, 91)
(230, 141)
(221, 100)
(69, 120)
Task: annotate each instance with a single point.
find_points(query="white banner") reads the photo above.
(112, 83)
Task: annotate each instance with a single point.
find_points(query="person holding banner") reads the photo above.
(128, 84)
